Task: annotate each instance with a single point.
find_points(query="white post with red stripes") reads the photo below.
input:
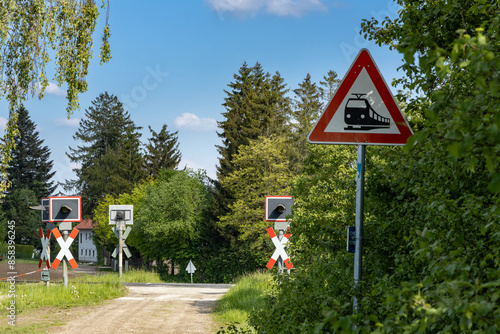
(280, 249)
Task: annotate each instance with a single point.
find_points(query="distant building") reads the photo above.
(87, 251)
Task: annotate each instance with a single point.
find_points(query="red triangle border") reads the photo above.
(318, 134)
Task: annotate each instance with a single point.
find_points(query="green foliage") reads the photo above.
(24, 251)
(431, 235)
(162, 151)
(261, 168)
(30, 176)
(242, 299)
(28, 31)
(35, 296)
(31, 165)
(110, 158)
(255, 106)
(305, 113)
(27, 222)
(170, 218)
(320, 280)
(449, 50)
(103, 234)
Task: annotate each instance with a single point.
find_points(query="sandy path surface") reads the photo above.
(152, 308)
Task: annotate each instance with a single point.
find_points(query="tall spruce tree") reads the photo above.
(162, 151)
(256, 105)
(30, 173)
(110, 158)
(305, 112)
(328, 86)
(30, 166)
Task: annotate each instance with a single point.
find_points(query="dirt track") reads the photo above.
(152, 308)
(147, 308)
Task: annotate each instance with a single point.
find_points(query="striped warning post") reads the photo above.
(64, 248)
(280, 249)
(44, 255)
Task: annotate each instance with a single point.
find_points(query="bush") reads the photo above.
(24, 251)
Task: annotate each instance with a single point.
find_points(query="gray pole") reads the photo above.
(120, 249)
(360, 190)
(280, 260)
(65, 262)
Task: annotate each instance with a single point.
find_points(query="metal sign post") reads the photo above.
(360, 192)
(191, 269)
(361, 112)
(65, 262)
(281, 233)
(120, 226)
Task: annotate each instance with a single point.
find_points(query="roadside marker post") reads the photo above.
(191, 269)
(361, 112)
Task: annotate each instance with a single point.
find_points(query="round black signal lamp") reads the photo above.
(280, 208)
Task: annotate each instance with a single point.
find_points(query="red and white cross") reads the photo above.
(44, 255)
(64, 248)
(280, 249)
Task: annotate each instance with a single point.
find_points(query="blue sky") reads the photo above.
(172, 60)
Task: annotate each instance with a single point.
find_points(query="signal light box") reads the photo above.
(124, 213)
(65, 209)
(278, 208)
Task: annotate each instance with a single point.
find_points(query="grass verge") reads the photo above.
(234, 308)
(36, 298)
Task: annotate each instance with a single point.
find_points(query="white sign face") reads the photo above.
(123, 213)
(190, 268)
(280, 249)
(363, 85)
(65, 251)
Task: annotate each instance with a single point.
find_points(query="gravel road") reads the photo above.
(152, 308)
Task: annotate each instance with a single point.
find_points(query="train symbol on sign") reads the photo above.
(359, 115)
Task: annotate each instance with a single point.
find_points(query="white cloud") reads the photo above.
(190, 121)
(52, 89)
(295, 8)
(70, 123)
(3, 123)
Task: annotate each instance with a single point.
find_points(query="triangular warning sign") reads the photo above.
(362, 110)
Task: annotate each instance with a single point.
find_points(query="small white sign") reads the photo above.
(191, 268)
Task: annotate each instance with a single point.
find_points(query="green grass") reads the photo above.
(38, 295)
(81, 290)
(237, 304)
(132, 276)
